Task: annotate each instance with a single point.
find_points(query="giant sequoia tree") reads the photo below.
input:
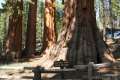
(30, 45)
(80, 39)
(49, 37)
(14, 36)
(85, 44)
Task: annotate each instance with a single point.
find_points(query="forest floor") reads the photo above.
(16, 71)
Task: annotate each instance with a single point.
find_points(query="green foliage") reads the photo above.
(115, 11)
(59, 15)
(115, 8)
(40, 24)
(8, 7)
(40, 19)
(25, 14)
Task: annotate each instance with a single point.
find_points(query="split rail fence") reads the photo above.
(103, 71)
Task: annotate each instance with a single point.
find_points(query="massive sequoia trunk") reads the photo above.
(83, 44)
(80, 41)
(86, 44)
(49, 37)
(14, 36)
(30, 45)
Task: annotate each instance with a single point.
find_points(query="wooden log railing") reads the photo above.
(39, 70)
(92, 70)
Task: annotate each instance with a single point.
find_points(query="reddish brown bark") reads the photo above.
(14, 36)
(18, 38)
(30, 45)
(86, 44)
(79, 41)
(49, 27)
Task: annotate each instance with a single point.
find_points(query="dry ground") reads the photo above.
(16, 71)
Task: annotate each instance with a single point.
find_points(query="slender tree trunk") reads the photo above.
(14, 36)
(119, 21)
(31, 30)
(50, 35)
(25, 20)
(5, 30)
(100, 17)
(107, 15)
(101, 14)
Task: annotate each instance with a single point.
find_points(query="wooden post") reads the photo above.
(90, 70)
(62, 67)
(62, 64)
(62, 73)
(37, 73)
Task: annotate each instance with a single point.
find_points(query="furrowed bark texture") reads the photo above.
(86, 44)
(80, 41)
(31, 30)
(50, 35)
(14, 37)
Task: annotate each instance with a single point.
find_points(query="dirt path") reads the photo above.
(16, 71)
